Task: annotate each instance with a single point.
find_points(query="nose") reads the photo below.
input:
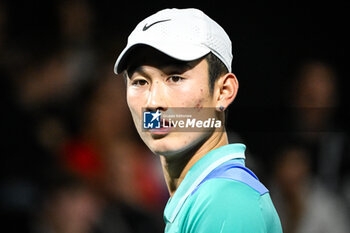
(156, 98)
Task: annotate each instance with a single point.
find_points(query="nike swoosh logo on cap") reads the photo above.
(146, 27)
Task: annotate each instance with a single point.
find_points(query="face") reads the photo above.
(318, 89)
(157, 82)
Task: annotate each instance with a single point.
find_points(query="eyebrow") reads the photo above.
(139, 70)
(176, 68)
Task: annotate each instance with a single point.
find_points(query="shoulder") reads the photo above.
(224, 194)
(224, 204)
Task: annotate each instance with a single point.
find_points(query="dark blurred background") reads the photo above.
(72, 161)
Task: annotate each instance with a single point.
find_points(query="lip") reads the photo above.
(162, 130)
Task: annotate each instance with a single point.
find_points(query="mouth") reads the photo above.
(164, 129)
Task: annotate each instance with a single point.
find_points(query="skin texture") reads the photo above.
(158, 82)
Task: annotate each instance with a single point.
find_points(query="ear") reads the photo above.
(226, 88)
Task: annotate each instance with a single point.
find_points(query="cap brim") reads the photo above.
(183, 52)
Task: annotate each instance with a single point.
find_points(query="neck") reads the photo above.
(176, 168)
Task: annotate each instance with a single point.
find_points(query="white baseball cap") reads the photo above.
(183, 34)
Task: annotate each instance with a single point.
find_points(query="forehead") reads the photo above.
(145, 55)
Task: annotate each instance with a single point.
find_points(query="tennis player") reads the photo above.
(182, 58)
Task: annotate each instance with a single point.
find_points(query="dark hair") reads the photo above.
(216, 68)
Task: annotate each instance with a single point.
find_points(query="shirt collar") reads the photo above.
(198, 172)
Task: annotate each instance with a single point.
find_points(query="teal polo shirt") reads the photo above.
(219, 204)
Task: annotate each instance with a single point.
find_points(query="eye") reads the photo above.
(175, 79)
(139, 82)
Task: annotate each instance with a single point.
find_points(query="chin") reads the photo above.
(174, 144)
(165, 146)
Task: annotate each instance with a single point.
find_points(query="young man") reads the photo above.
(180, 58)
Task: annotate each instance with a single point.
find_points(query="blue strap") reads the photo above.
(238, 172)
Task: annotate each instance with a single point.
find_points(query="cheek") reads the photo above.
(134, 107)
(198, 97)
(199, 104)
(134, 98)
